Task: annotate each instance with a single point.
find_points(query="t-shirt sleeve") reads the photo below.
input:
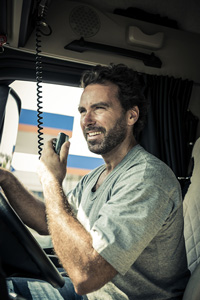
(130, 219)
(74, 196)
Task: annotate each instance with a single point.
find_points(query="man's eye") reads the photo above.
(99, 107)
(81, 111)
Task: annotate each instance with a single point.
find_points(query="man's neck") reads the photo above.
(115, 156)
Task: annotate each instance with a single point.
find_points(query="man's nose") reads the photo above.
(88, 119)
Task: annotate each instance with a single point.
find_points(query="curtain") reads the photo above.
(166, 134)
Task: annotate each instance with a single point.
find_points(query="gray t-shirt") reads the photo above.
(136, 222)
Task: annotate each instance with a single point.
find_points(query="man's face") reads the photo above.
(103, 120)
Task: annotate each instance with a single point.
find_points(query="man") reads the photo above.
(119, 233)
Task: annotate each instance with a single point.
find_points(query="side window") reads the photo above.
(60, 113)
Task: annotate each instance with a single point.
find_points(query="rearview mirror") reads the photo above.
(10, 107)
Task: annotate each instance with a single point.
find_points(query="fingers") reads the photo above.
(51, 164)
(49, 151)
(64, 151)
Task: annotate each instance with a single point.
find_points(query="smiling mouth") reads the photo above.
(90, 134)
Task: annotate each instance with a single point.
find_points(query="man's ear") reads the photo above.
(133, 115)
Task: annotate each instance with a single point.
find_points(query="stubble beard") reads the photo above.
(112, 138)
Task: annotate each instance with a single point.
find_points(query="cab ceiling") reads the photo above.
(185, 13)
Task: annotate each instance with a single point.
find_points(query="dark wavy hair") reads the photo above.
(130, 88)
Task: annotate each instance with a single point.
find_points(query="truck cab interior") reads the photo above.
(53, 42)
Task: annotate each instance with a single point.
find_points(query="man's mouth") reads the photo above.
(90, 134)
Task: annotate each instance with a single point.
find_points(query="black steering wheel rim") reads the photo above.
(30, 248)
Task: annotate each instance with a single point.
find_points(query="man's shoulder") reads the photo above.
(143, 159)
(147, 168)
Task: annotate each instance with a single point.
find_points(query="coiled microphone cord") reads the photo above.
(41, 29)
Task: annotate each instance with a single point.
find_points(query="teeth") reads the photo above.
(94, 133)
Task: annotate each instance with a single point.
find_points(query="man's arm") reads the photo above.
(30, 209)
(72, 243)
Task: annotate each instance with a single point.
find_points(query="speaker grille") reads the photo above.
(84, 21)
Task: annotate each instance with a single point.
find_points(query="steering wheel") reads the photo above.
(20, 252)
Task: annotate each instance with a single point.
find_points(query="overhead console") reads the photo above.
(84, 34)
